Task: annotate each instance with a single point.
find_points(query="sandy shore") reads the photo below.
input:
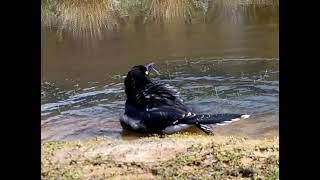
(178, 156)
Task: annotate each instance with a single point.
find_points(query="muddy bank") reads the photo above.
(179, 156)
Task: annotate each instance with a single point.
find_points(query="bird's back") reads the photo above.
(160, 106)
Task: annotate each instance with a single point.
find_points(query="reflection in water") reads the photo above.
(73, 60)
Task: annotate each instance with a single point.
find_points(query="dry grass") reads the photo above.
(91, 18)
(170, 10)
(86, 18)
(235, 10)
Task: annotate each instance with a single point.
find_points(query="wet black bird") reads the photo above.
(154, 107)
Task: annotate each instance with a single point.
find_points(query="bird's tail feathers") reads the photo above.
(214, 119)
(205, 128)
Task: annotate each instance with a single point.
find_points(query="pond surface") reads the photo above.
(217, 67)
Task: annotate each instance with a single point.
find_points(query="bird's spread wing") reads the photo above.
(163, 105)
(158, 94)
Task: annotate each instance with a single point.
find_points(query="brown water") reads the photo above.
(218, 67)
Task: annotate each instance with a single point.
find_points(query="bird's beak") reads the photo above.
(150, 67)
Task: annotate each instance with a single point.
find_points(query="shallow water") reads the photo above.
(218, 68)
(250, 86)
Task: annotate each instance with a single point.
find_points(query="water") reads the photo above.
(217, 67)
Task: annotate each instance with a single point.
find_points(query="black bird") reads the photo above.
(154, 107)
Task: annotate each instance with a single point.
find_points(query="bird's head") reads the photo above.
(138, 78)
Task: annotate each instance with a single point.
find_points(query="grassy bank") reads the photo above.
(179, 156)
(89, 18)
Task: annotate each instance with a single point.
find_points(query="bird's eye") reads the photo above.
(147, 72)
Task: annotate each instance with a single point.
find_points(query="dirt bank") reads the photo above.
(179, 156)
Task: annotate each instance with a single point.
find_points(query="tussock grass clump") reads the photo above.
(86, 18)
(91, 18)
(170, 10)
